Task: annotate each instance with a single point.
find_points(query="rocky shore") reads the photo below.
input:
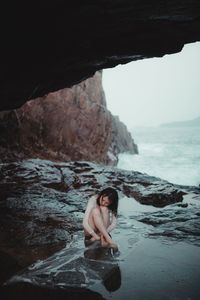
(41, 238)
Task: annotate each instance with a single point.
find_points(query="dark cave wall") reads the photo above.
(50, 45)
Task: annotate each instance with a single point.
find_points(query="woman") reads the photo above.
(100, 217)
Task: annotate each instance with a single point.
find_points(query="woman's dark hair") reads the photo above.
(112, 196)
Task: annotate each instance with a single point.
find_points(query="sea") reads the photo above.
(170, 153)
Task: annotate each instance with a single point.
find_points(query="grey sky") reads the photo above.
(154, 91)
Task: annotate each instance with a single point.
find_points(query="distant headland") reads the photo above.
(189, 123)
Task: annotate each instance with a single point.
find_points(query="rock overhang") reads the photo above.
(49, 45)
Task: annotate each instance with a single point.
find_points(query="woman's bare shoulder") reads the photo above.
(91, 203)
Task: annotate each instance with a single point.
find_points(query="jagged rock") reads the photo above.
(154, 194)
(121, 138)
(71, 124)
(42, 202)
(50, 45)
(41, 236)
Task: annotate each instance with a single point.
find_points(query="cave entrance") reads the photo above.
(158, 100)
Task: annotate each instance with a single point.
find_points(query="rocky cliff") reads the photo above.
(71, 124)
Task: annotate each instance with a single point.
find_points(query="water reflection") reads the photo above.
(103, 261)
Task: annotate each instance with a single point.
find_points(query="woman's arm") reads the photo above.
(101, 227)
(91, 204)
(113, 223)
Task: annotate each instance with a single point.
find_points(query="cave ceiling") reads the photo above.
(50, 45)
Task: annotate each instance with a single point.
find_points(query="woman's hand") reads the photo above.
(104, 243)
(113, 245)
(95, 237)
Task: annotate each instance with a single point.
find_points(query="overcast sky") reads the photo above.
(153, 91)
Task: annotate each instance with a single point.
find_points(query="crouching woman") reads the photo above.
(101, 217)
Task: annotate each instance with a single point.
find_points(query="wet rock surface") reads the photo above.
(41, 238)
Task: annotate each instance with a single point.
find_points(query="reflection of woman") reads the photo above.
(101, 217)
(105, 266)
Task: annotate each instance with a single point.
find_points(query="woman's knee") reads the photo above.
(104, 210)
(95, 212)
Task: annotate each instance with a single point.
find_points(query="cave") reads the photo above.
(52, 51)
(51, 45)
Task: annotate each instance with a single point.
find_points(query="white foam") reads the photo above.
(171, 154)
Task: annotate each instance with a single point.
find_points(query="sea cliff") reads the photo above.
(70, 124)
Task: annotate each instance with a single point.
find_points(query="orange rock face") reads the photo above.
(71, 124)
